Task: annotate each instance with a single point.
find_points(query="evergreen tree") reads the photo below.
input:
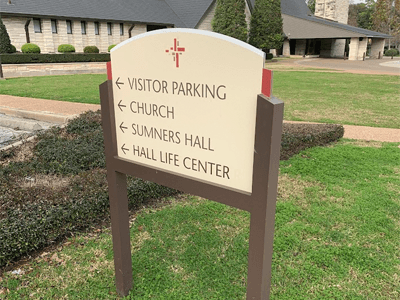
(5, 43)
(266, 23)
(230, 19)
(311, 5)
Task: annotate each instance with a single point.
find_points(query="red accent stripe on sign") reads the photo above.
(266, 86)
(109, 72)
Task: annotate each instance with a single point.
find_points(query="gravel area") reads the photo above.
(9, 136)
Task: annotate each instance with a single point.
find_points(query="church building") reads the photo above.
(50, 23)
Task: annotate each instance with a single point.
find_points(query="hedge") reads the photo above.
(20, 58)
(297, 137)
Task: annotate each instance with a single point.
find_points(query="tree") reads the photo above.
(360, 15)
(311, 5)
(266, 25)
(5, 42)
(386, 17)
(230, 19)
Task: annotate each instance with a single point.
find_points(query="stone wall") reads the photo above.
(205, 22)
(16, 30)
(27, 70)
(335, 10)
(49, 42)
(326, 48)
(337, 48)
(377, 46)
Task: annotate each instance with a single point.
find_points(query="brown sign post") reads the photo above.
(220, 177)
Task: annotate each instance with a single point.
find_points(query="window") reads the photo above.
(109, 28)
(69, 26)
(96, 28)
(121, 29)
(54, 26)
(37, 25)
(155, 27)
(83, 27)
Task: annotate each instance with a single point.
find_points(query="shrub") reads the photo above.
(13, 49)
(297, 137)
(66, 48)
(53, 58)
(91, 49)
(391, 52)
(269, 56)
(30, 48)
(33, 216)
(111, 46)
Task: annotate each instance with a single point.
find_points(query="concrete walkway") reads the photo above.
(59, 112)
(52, 111)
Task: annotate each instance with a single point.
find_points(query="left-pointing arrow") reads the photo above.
(118, 83)
(124, 149)
(122, 127)
(121, 105)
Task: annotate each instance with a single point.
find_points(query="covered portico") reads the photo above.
(316, 36)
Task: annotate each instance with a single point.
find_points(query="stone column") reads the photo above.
(62, 33)
(353, 48)
(337, 47)
(91, 36)
(286, 48)
(103, 45)
(362, 48)
(377, 46)
(77, 36)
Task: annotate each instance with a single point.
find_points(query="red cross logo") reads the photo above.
(176, 51)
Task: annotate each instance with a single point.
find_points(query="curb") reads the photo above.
(39, 116)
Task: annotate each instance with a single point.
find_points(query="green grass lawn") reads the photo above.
(369, 100)
(336, 237)
(82, 88)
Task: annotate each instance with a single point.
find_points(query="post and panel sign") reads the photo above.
(184, 109)
(185, 102)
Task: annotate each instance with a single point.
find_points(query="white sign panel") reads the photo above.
(185, 103)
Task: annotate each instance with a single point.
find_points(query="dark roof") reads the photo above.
(299, 9)
(146, 11)
(295, 8)
(190, 11)
(181, 13)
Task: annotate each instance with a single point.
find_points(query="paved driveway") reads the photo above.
(385, 66)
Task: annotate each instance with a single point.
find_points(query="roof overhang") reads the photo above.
(315, 28)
